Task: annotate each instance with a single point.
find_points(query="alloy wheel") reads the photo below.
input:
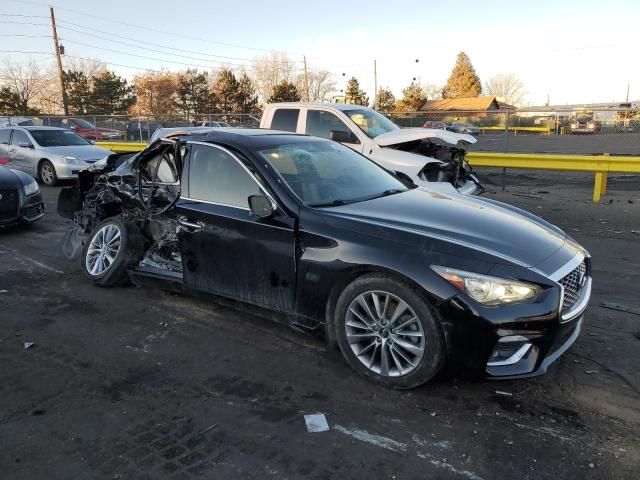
(103, 249)
(385, 334)
(47, 174)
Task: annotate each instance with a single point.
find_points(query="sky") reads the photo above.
(569, 51)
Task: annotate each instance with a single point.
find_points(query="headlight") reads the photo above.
(31, 188)
(70, 159)
(488, 290)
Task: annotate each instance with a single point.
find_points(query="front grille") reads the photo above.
(573, 284)
(9, 200)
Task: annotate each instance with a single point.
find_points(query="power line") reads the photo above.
(175, 34)
(141, 41)
(21, 15)
(23, 35)
(31, 52)
(24, 23)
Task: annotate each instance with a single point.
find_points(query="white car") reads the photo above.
(48, 153)
(423, 155)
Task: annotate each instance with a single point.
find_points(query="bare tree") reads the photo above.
(320, 85)
(25, 80)
(432, 91)
(507, 88)
(271, 70)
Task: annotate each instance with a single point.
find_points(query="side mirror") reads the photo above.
(261, 206)
(342, 137)
(25, 145)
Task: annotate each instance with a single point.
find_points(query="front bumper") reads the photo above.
(30, 209)
(67, 171)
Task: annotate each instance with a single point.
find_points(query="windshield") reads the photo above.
(371, 122)
(57, 138)
(82, 123)
(324, 174)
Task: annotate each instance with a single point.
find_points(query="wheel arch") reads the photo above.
(355, 272)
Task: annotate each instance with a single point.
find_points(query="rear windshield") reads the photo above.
(57, 138)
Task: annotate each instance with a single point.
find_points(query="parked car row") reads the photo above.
(457, 127)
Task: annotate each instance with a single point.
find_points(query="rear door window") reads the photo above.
(5, 133)
(19, 137)
(285, 119)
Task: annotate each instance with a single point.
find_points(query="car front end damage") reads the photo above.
(429, 156)
(127, 186)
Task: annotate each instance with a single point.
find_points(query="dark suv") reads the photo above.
(141, 130)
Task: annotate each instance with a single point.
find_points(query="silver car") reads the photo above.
(47, 153)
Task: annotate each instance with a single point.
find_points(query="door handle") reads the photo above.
(190, 226)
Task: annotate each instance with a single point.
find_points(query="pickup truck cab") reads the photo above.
(421, 155)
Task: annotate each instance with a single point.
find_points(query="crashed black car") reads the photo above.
(20, 198)
(401, 278)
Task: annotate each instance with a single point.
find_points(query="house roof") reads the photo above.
(462, 104)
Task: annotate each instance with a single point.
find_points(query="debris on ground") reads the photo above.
(621, 308)
(590, 372)
(4, 291)
(28, 345)
(506, 394)
(208, 429)
(316, 422)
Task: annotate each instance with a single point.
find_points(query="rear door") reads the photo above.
(21, 151)
(226, 250)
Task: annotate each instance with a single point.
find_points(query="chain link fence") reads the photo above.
(585, 131)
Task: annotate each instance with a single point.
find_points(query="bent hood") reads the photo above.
(404, 135)
(8, 177)
(501, 230)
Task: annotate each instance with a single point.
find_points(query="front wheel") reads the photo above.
(110, 250)
(47, 173)
(388, 333)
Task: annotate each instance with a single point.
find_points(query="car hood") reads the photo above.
(404, 135)
(8, 178)
(81, 152)
(498, 229)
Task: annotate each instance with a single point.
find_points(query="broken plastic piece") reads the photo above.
(28, 345)
(316, 423)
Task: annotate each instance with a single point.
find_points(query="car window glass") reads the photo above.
(285, 119)
(4, 136)
(321, 123)
(19, 137)
(215, 176)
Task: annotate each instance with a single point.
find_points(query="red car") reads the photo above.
(83, 128)
(434, 124)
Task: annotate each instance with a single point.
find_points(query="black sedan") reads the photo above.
(20, 199)
(400, 278)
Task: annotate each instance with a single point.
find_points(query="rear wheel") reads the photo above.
(110, 250)
(388, 333)
(47, 173)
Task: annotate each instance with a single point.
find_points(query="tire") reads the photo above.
(47, 174)
(125, 244)
(413, 343)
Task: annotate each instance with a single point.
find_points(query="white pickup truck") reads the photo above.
(422, 155)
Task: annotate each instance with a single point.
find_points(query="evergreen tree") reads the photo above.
(111, 95)
(463, 81)
(193, 96)
(385, 100)
(413, 98)
(246, 98)
(12, 104)
(225, 90)
(354, 95)
(78, 91)
(284, 92)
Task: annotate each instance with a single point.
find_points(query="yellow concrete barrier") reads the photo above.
(601, 165)
(545, 130)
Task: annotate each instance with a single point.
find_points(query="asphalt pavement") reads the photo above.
(141, 383)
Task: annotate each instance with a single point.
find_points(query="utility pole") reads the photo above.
(306, 78)
(627, 98)
(56, 46)
(375, 85)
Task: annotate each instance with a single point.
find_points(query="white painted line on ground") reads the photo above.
(377, 440)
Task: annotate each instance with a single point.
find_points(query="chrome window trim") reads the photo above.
(244, 167)
(514, 358)
(214, 203)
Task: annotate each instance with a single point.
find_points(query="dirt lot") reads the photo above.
(138, 383)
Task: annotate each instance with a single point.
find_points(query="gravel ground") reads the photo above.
(139, 383)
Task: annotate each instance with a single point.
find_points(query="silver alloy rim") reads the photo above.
(385, 334)
(46, 172)
(103, 249)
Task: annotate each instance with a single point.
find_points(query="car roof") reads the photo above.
(248, 137)
(337, 106)
(36, 127)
